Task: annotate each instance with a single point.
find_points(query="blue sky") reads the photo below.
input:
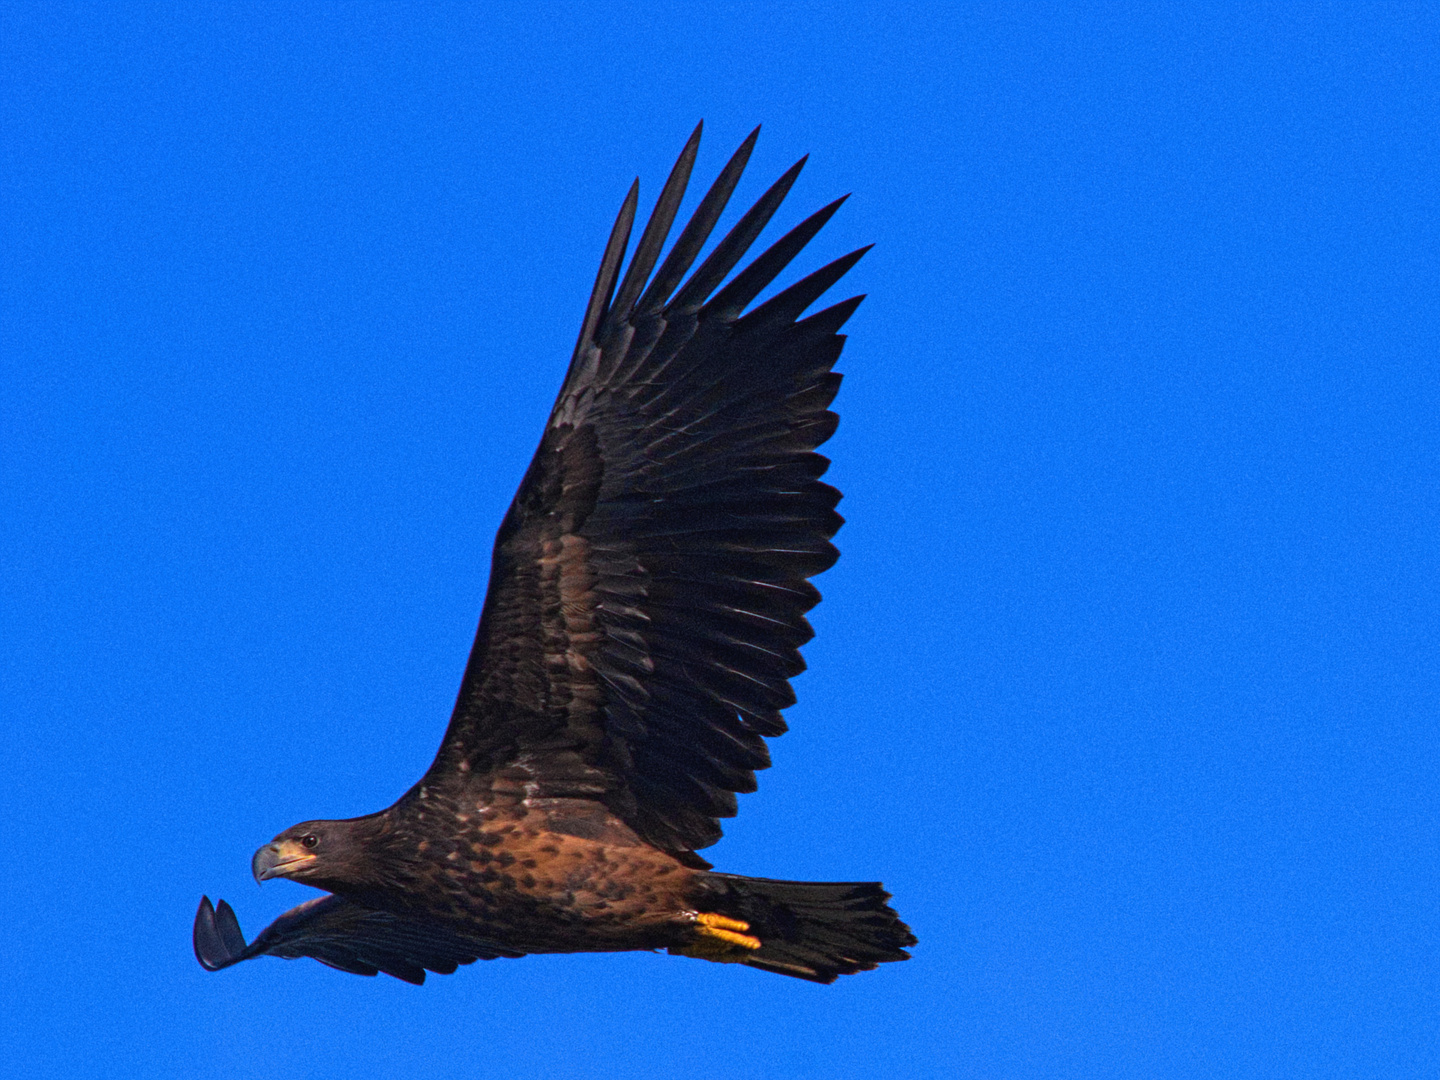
(1126, 681)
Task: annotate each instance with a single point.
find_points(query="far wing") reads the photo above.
(649, 585)
(342, 934)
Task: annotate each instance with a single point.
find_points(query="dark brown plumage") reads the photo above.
(646, 607)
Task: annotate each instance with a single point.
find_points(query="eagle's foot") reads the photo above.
(730, 931)
(719, 939)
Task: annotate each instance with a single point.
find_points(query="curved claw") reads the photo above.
(217, 937)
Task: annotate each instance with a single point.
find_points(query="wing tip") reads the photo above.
(216, 936)
(608, 275)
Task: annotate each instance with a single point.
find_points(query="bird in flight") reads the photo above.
(646, 605)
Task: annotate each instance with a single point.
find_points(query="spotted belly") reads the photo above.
(560, 875)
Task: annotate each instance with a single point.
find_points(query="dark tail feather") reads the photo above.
(816, 930)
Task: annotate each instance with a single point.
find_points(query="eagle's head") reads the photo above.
(335, 855)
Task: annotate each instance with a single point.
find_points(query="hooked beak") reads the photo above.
(279, 859)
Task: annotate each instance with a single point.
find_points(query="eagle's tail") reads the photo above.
(816, 930)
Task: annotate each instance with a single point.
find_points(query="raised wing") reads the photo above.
(342, 934)
(648, 589)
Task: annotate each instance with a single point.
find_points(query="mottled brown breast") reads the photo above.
(553, 875)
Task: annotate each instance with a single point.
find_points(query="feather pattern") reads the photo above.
(649, 584)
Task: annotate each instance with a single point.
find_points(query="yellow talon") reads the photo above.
(745, 941)
(720, 922)
(719, 939)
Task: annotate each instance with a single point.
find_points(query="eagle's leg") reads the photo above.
(718, 938)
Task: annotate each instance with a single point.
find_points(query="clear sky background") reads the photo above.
(1125, 684)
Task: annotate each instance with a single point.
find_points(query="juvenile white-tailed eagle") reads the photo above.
(646, 606)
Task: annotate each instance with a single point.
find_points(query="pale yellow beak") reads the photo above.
(280, 858)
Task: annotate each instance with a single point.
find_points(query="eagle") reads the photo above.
(644, 615)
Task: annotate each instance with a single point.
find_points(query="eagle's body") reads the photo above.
(645, 610)
(539, 875)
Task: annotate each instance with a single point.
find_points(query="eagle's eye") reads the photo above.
(310, 840)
